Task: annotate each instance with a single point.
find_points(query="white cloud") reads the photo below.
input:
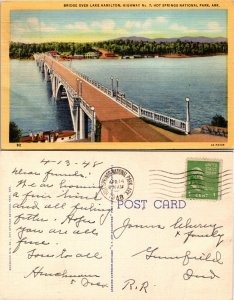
(104, 25)
(147, 23)
(161, 20)
(19, 27)
(46, 28)
(145, 26)
(31, 25)
(32, 22)
(177, 27)
(138, 24)
(120, 31)
(132, 24)
(182, 28)
(78, 26)
(214, 27)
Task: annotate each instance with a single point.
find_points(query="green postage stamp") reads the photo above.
(203, 179)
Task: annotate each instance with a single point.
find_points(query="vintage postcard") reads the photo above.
(117, 74)
(98, 225)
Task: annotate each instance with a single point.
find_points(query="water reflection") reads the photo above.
(63, 115)
(32, 106)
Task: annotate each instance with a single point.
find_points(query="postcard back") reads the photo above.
(126, 225)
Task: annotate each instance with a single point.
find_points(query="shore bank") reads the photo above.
(116, 56)
(195, 136)
(190, 56)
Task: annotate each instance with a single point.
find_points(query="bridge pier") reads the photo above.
(93, 125)
(53, 84)
(86, 123)
(47, 72)
(76, 124)
(187, 122)
(82, 124)
(80, 110)
(41, 65)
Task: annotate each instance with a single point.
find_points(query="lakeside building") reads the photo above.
(135, 56)
(53, 53)
(92, 54)
(104, 54)
(49, 137)
(76, 56)
(110, 55)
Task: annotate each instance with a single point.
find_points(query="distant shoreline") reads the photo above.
(190, 56)
(159, 56)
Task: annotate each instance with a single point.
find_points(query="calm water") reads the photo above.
(32, 105)
(158, 84)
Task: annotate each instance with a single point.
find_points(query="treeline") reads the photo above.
(22, 50)
(128, 47)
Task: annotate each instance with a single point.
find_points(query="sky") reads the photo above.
(98, 25)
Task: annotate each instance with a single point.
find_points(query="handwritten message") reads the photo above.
(55, 211)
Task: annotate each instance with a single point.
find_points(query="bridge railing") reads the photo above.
(152, 115)
(133, 107)
(95, 83)
(87, 108)
(136, 109)
(164, 120)
(68, 87)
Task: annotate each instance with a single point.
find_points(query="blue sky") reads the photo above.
(95, 25)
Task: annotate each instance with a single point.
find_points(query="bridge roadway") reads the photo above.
(118, 124)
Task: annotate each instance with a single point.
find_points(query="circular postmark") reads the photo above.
(116, 184)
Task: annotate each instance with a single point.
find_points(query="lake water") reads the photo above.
(160, 84)
(32, 107)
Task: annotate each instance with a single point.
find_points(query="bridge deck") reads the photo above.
(118, 124)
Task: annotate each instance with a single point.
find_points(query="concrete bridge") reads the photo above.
(90, 102)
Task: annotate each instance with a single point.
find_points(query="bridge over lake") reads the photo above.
(92, 103)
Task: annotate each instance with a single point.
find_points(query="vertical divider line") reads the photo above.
(112, 238)
(9, 229)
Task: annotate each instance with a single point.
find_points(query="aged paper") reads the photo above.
(110, 74)
(116, 225)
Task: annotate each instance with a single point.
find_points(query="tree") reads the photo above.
(121, 47)
(15, 133)
(219, 121)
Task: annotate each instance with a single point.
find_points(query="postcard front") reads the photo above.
(102, 226)
(94, 75)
